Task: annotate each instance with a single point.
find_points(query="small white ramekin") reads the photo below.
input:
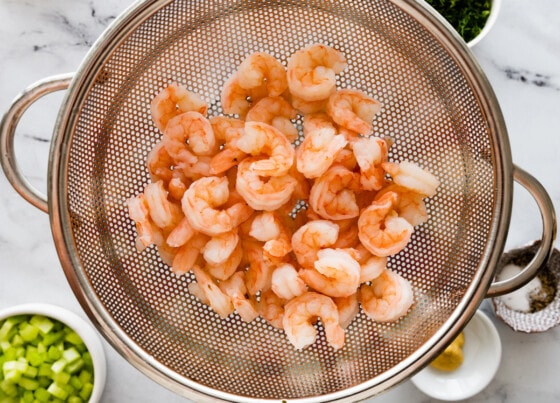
(494, 11)
(88, 334)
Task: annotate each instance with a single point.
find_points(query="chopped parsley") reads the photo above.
(467, 16)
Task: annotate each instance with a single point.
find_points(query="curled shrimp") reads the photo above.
(180, 234)
(271, 308)
(372, 268)
(220, 302)
(163, 212)
(277, 112)
(268, 193)
(312, 237)
(220, 247)
(286, 283)
(224, 270)
(268, 228)
(388, 298)
(195, 128)
(347, 234)
(261, 139)
(318, 151)
(188, 254)
(139, 212)
(410, 204)
(336, 273)
(381, 230)
(410, 176)
(227, 131)
(160, 164)
(348, 308)
(201, 204)
(242, 303)
(309, 107)
(302, 311)
(332, 196)
(370, 153)
(312, 71)
(237, 100)
(261, 69)
(353, 110)
(172, 101)
(259, 273)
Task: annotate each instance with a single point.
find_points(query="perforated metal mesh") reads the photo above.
(428, 108)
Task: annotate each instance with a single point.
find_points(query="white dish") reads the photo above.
(80, 326)
(482, 354)
(494, 11)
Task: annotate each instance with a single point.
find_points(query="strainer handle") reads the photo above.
(546, 245)
(8, 126)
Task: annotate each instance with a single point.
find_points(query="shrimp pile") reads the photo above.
(292, 225)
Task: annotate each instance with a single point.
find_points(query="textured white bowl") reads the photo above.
(81, 327)
(494, 11)
(482, 354)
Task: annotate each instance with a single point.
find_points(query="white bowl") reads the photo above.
(482, 353)
(88, 334)
(494, 11)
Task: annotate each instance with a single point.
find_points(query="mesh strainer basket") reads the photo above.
(438, 108)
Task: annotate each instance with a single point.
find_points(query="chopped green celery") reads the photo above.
(71, 355)
(85, 376)
(28, 383)
(44, 370)
(14, 365)
(28, 332)
(44, 381)
(74, 399)
(61, 378)
(42, 395)
(75, 366)
(54, 353)
(9, 388)
(87, 359)
(44, 324)
(5, 345)
(28, 396)
(12, 376)
(9, 324)
(57, 391)
(17, 340)
(75, 382)
(58, 366)
(73, 338)
(31, 371)
(86, 390)
(53, 338)
(33, 356)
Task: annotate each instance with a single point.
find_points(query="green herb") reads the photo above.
(467, 16)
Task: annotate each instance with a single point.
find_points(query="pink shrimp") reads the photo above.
(353, 110)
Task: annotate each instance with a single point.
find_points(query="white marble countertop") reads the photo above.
(521, 58)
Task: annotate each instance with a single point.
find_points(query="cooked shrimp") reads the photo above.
(372, 268)
(172, 101)
(219, 301)
(230, 155)
(178, 185)
(224, 270)
(370, 153)
(410, 204)
(271, 308)
(236, 289)
(388, 298)
(261, 69)
(380, 228)
(302, 311)
(409, 175)
(139, 212)
(332, 196)
(286, 283)
(201, 204)
(263, 193)
(348, 308)
(312, 237)
(318, 151)
(163, 212)
(307, 107)
(188, 254)
(261, 139)
(181, 234)
(347, 159)
(312, 72)
(238, 100)
(259, 274)
(160, 164)
(353, 110)
(267, 227)
(220, 247)
(336, 273)
(347, 234)
(194, 128)
(277, 112)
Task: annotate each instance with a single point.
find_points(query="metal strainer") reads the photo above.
(438, 108)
